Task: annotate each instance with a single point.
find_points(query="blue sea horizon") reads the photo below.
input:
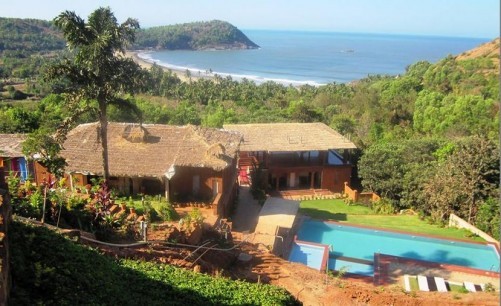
(315, 57)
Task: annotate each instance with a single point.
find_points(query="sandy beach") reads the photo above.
(147, 65)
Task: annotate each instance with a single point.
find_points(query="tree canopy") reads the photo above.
(96, 75)
(213, 34)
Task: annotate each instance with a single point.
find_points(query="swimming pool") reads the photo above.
(314, 256)
(360, 244)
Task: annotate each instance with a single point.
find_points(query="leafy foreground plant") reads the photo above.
(49, 269)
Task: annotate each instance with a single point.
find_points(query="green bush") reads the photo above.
(167, 212)
(149, 212)
(383, 207)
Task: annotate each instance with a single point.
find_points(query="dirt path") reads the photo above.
(247, 212)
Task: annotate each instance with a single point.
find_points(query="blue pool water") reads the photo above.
(359, 243)
(351, 267)
(310, 255)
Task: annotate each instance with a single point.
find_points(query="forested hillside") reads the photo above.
(194, 36)
(28, 35)
(25, 44)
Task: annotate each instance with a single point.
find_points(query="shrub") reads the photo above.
(167, 212)
(149, 212)
(383, 207)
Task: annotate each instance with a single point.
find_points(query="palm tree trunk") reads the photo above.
(103, 129)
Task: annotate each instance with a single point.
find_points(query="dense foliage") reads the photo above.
(194, 36)
(29, 35)
(49, 269)
(25, 44)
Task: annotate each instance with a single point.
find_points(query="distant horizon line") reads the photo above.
(315, 30)
(369, 33)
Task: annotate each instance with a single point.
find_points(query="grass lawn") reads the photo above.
(337, 210)
(413, 282)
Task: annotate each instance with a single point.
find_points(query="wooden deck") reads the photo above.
(306, 194)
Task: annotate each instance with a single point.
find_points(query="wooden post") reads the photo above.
(167, 190)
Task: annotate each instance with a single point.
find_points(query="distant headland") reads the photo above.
(211, 35)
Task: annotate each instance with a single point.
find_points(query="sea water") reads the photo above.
(315, 58)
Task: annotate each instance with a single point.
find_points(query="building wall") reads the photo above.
(41, 174)
(333, 177)
(184, 183)
(229, 190)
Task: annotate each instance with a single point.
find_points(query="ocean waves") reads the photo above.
(200, 72)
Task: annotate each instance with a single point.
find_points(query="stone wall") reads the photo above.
(455, 221)
(5, 217)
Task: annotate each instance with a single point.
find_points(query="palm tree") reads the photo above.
(97, 74)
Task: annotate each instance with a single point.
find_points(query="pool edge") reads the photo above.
(325, 257)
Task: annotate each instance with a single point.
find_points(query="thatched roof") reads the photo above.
(283, 137)
(11, 145)
(148, 150)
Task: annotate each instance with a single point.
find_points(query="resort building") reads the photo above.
(295, 155)
(184, 163)
(13, 160)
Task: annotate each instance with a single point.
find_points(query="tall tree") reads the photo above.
(97, 74)
(467, 178)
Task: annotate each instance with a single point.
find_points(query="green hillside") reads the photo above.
(29, 35)
(194, 36)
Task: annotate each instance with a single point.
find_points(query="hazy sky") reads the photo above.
(468, 18)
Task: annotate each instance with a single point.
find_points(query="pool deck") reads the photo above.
(276, 214)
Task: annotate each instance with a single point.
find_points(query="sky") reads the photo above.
(463, 18)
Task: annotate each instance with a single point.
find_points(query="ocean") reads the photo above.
(315, 58)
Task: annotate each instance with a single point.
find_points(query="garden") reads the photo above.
(99, 210)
